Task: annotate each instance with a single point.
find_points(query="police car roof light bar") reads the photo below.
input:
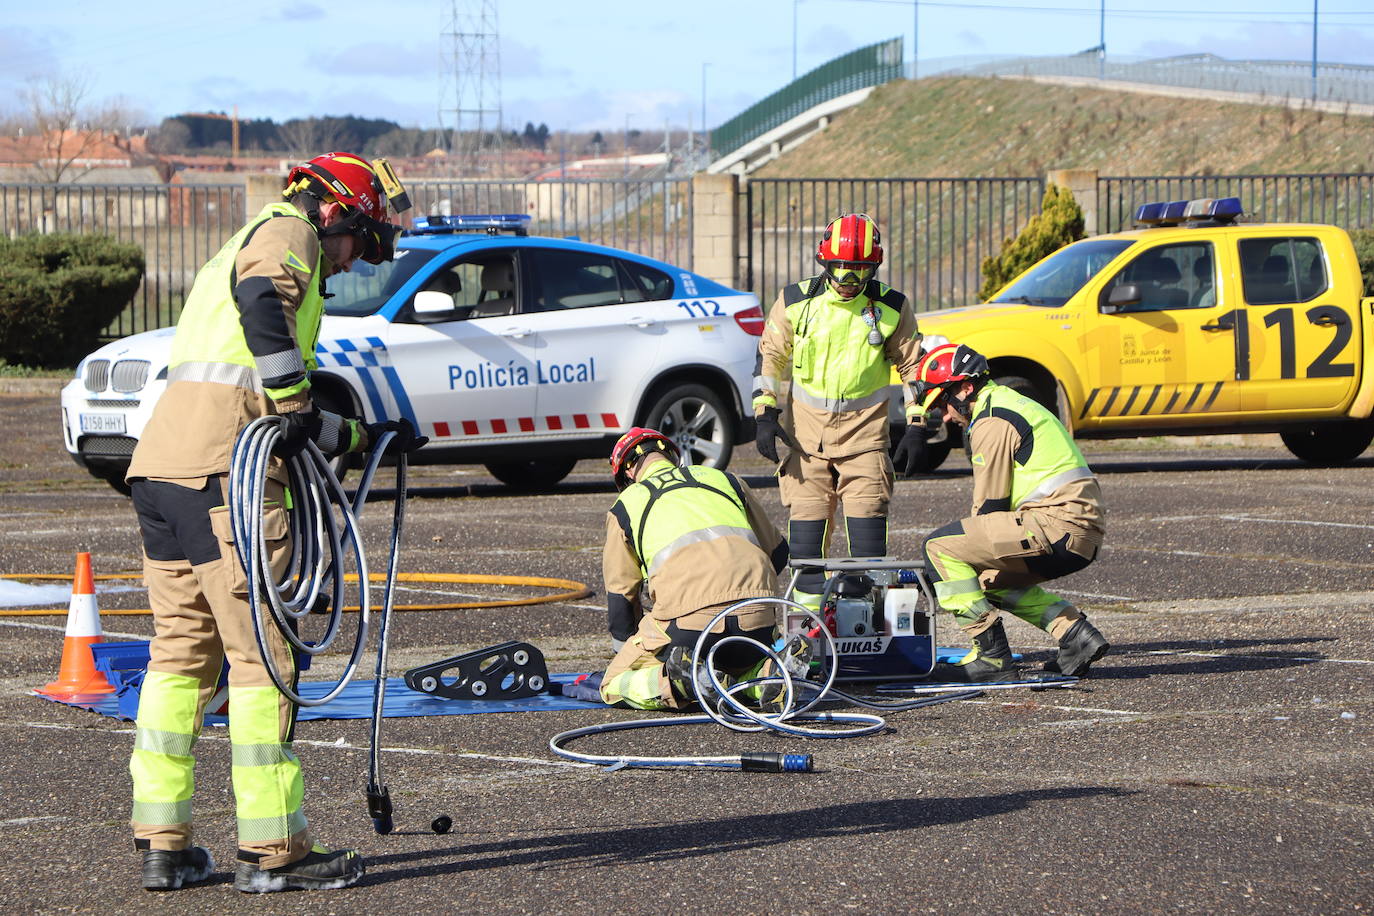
(489, 223)
(1171, 213)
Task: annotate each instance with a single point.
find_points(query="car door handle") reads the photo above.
(1218, 327)
(516, 332)
(1325, 321)
(638, 322)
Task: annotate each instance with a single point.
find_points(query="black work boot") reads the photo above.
(321, 869)
(991, 662)
(169, 869)
(679, 668)
(1079, 647)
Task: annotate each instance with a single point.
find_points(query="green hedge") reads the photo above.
(57, 292)
(1364, 250)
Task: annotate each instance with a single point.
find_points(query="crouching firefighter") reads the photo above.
(1037, 515)
(244, 345)
(701, 541)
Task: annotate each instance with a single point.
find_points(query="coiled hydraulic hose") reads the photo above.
(734, 715)
(319, 548)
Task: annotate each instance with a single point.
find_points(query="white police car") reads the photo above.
(519, 352)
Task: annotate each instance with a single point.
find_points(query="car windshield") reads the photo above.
(1054, 280)
(366, 287)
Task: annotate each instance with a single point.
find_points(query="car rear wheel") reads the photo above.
(1329, 444)
(1022, 385)
(533, 476)
(695, 418)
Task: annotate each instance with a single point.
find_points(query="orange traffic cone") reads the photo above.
(78, 673)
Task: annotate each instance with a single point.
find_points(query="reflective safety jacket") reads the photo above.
(1025, 461)
(835, 357)
(697, 535)
(245, 339)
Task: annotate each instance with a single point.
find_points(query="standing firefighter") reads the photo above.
(702, 542)
(1037, 515)
(833, 340)
(243, 347)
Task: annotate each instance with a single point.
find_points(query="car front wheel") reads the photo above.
(696, 419)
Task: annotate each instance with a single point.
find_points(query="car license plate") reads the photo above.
(102, 423)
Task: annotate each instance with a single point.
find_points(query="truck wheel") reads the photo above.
(694, 417)
(1329, 444)
(1023, 385)
(533, 476)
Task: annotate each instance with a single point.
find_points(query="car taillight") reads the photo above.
(751, 321)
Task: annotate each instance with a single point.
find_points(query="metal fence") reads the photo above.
(1291, 79)
(868, 66)
(1340, 200)
(935, 231)
(178, 227)
(649, 216)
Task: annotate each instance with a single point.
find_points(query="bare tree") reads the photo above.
(68, 129)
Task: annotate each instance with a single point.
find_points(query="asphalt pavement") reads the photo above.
(1218, 760)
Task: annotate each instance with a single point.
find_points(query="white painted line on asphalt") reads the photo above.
(1260, 518)
(338, 743)
(62, 628)
(1280, 658)
(1114, 712)
(1065, 591)
(21, 821)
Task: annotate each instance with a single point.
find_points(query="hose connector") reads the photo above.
(762, 762)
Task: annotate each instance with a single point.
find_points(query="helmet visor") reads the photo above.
(850, 273)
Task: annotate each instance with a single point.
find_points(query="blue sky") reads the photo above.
(593, 64)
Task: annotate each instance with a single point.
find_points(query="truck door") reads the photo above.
(1296, 346)
(1171, 356)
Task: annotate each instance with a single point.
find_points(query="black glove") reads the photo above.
(768, 431)
(406, 439)
(302, 427)
(910, 455)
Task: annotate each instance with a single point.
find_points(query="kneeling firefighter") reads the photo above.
(1037, 515)
(701, 541)
(244, 345)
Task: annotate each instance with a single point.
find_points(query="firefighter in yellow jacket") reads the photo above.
(243, 347)
(829, 345)
(701, 541)
(1037, 515)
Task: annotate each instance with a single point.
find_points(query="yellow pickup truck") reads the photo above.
(1198, 323)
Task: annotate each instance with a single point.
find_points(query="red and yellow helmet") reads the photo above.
(633, 446)
(850, 250)
(353, 182)
(944, 368)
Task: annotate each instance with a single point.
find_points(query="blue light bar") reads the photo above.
(1221, 209)
(472, 222)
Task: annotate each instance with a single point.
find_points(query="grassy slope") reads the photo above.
(967, 127)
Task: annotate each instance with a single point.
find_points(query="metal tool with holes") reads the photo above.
(506, 671)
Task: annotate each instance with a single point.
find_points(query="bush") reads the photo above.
(58, 292)
(1364, 251)
(1059, 222)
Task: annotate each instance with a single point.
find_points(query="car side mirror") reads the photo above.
(1122, 297)
(433, 305)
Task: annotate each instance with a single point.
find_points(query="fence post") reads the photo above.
(715, 245)
(1083, 185)
(259, 191)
